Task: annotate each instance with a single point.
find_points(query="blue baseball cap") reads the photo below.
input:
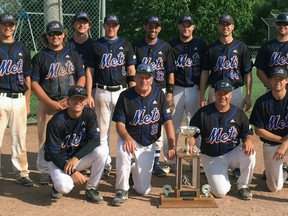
(144, 68)
(223, 85)
(111, 19)
(77, 91)
(153, 19)
(279, 71)
(54, 26)
(188, 19)
(226, 18)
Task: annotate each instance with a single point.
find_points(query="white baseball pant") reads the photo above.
(13, 114)
(273, 169)
(105, 102)
(216, 170)
(44, 115)
(96, 159)
(141, 170)
(186, 100)
(237, 97)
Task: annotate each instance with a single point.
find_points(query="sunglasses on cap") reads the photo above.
(282, 23)
(52, 34)
(144, 68)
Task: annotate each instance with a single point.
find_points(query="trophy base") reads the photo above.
(187, 202)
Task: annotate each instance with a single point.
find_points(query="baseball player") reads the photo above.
(15, 87)
(81, 41)
(269, 116)
(55, 69)
(112, 62)
(157, 53)
(72, 145)
(273, 53)
(139, 115)
(228, 59)
(189, 52)
(226, 142)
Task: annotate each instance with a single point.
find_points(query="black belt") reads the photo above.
(112, 88)
(12, 95)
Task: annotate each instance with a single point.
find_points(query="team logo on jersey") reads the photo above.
(232, 121)
(231, 65)
(20, 54)
(160, 53)
(217, 135)
(277, 59)
(141, 117)
(154, 102)
(67, 56)
(235, 51)
(108, 61)
(57, 69)
(185, 61)
(121, 48)
(74, 140)
(275, 122)
(7, 68)
(195, 48)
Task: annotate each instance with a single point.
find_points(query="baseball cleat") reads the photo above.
(93, 196)
(245, 194)
(120, 197)
(105, 174)
(55, 195)
(25, 181)
(158, 171)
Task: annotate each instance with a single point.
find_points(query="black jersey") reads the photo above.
(142, 116)
(189, 59)
(67, 137)
(57, 71)
(161, 58)
(272, 54)
(110, 60)
(229, 62)
(271, 114)
(82, 49)
(220, 132)
(15, 66)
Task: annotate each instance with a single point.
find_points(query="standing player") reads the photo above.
(55, 69)
(269, 116)
(157, 53)
(139, 115)
(189, 53)
(73, 145)
(81, 41)
(273, 53)
(112, 63)
(226, 142)
(228, 59)
(15, 86)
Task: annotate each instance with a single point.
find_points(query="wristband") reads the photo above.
(130, 79)
(169, 88)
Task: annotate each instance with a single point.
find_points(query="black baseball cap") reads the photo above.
(223, 85)
(279, 71)
(111, 19)
(188, 19)
(282, 18)
(81, 15)
(54, 26)
(144, 68)
(153, 19)
(77, 91)
(7, 18)
(226, 18)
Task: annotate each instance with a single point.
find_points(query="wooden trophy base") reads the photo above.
(187, 202)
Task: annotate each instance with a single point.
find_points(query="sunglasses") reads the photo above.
(282, 23)
(144, 68)
(52, 34)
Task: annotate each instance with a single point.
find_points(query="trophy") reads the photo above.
(187, 187)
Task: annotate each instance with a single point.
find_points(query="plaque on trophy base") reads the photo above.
(187, 192)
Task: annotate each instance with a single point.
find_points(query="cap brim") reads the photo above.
(83, 96)
(224, 89)
(11, 21)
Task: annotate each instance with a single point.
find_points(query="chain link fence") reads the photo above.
(32, 17)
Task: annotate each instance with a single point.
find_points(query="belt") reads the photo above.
(112, 88)
(12, 95)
